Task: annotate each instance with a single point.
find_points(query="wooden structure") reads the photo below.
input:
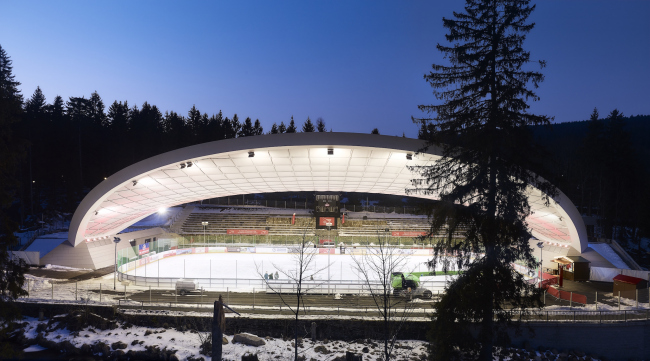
(627, 286)
(574, 268)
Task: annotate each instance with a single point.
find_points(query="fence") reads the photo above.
(567, 296)
(75, 293)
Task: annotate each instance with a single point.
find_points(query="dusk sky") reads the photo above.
(357, 64)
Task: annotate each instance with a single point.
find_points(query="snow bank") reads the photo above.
(609, 254)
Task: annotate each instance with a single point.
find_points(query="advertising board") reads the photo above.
(407, 234)
(143, 249)
(248, 232)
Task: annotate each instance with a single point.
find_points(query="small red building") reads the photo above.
(627, 286)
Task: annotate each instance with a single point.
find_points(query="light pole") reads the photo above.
(116, 240)
(205, 224)
(329, 239)
(541, 278)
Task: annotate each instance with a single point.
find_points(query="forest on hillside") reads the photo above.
(67, 147)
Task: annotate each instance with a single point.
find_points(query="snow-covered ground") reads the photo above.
(609, 254)
(188, 343)
(46, 243)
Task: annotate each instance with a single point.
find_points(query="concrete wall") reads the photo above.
(94, 255)
(31, 258)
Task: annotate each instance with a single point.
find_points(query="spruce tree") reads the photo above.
(282, 128)
(11, 152)
(257, 128)
(292, 126)
(308, 127)
(489, 159)
(375, 131)
(36, 104)
(274, 129)
(216, 126)
(246, 128)
(320, 125)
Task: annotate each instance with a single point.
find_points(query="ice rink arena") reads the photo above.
(245, 267)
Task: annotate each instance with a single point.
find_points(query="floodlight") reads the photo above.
(540, 244)
(189, 164)
(162, 210)
(409, 156)
(251, 154)
(182, 165)
(135, 182)
(330, 151)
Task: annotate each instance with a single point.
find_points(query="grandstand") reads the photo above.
(274, 225)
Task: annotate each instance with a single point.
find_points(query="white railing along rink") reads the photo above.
(284, 286)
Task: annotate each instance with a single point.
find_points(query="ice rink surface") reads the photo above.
(252, 265)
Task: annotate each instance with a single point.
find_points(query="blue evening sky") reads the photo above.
(356, 64)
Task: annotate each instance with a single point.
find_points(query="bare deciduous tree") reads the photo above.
(375, 269)
(295, 284)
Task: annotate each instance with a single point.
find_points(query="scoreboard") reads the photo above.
(327, 210)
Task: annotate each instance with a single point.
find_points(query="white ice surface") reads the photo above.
(251, 265)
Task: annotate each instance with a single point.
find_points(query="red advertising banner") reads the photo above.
(407, 234)
(327, 250)
(248, 232)
(326, 221)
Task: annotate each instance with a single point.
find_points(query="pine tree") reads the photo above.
(274, 129)
(320, 125)
(257, 128)
(12, 276)
(489, 159)
(308, 127)
(194, 122)
(282, 128)
(36, 105)
(375, 131)
(292, 126)
(246, 128)
(216, 126)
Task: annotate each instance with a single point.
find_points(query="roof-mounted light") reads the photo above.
(251, 154)
(330, 151)
(409, 156)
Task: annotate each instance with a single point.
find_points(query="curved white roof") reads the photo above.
(282, 163)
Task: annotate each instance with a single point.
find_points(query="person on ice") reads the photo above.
(266, 275)
(276, 275)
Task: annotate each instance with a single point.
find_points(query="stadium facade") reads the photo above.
(320, 162)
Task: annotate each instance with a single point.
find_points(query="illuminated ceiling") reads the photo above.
(280, 163)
